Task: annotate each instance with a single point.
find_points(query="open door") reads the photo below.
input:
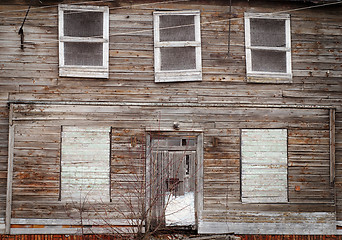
(172, 178)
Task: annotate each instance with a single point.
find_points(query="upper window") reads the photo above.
(268, 48)
(83, 41)
(177, 46)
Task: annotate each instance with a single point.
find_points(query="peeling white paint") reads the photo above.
(85, 164)
(180, 210)
(264, 165)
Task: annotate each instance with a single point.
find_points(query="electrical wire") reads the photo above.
(174, 1)
(103, 1)
(203, 23)
(162, 2)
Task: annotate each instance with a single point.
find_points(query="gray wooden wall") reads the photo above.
(32, 75)
(37, 143)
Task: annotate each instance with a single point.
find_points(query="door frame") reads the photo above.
(198, 179)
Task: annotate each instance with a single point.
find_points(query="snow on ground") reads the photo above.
(180, 210)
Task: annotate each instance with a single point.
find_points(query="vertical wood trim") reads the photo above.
(288, 46)
(332, 145)
(197, 21)
(240, 148)
(110, 163)
(60, 165)
(247, 44)
(156, 40)
(148, 182)
(61, 34)
(105, 46)
(10, 117)
(161, 174)
(9, 175)
(199, 180)
(287, 166)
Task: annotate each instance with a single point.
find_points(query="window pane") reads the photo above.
(178, 58)
(267, 32)
(173, 30)
(268, 61)
(83, 24)
(84, 54)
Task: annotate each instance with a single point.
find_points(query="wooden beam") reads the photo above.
(75, 222)
(148, 182)
(199, 179)
(9, 173)
(332, 145)
(172, 104)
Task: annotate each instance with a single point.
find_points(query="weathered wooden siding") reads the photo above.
(35, 181)
(3, 152)
(32, 75)
(110, 237)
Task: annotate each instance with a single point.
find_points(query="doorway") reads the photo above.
(172, 179)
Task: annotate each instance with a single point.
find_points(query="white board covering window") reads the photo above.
(177, 46)
(83, 41)
(264, 165)
(268, 47)
(85, 162)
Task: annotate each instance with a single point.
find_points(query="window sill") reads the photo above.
(84, 72)
(255, 78)
(178, 76)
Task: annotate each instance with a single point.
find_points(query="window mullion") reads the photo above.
(178, 44)
(82, 39)
(280, 49)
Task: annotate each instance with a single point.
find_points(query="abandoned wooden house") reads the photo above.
(217, 116)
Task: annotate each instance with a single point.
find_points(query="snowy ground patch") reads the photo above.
(180, 210)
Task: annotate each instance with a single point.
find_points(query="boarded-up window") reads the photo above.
(268, 47)
(264, 165)
(177, 46)
(85, 161)
(83, 41)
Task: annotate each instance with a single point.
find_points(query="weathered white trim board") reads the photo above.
(9, 174)
(76, 231)
(58, 226)
(2, 226)
(56, 222)
(318, 223)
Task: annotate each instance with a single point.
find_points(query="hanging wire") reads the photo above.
(162, 2)
(229, 25)
(103, 1)
(203, 23)
(166, 2)
(21, 30)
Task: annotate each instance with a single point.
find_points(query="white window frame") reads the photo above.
(77, 70)
(260, 76)
(177, 75)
